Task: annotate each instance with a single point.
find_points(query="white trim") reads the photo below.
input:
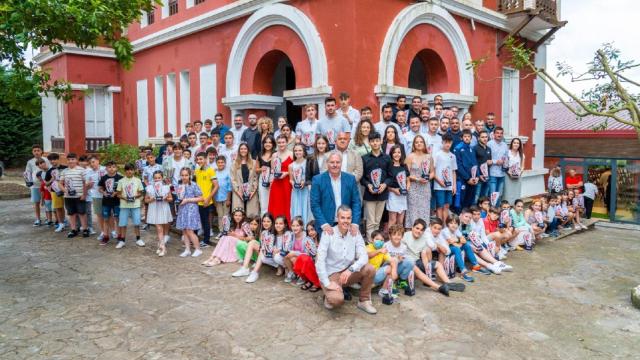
(221, 15)
(253, 101)
(510, 101)
(307, 95)
(412, 16)
(190, 4)
(539, 88)
(79, 87)
(114, 89)
(165, 9)
(284, 15)
(172, 116)
(144, 20)
(208, 91)
(98, 51)
(185, 99)
(158, 91)
(142, 110)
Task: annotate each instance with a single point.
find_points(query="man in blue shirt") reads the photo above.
(220, 127)
(466, 179)
(499, 156)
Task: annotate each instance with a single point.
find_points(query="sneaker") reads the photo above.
(253, 277)
(50, 223)
(502, 254)
(85, 233)
(114, 234)
(120, 244)
(243, 271)
(196, 253)
(37, 223)
(484, 271)
(204, 245)
(495, 268)
(505, 267)
(72, 234)
(288, 277)
(367, 307)
(166, 239)
(383, 292)
(454, 286)
(59, 228)
(162, 252)
(211, 233)
(91, 231)
(544, 235)
(577, 227)
(101, 237)
(476, 268)
(145, 227)
(104, 241)
(140, 243)
(185, 253)
(467, 277)
(444, 289)
(299, 281)
(584, 227)
(200, 233)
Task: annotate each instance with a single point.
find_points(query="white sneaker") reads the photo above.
(300, 281)
(166, 239)
(544, 235)
(139, 242)
(505, 267)
(577, 227)
(60, 228)
(211, 234)
(495, 268)
(37, 223)
(120, 244)
(91, 231)
(185, 253)
(243, 271)
(253, 277)
(584, 227)
(196, 253)
(114, 235)
(502, 254)
(200, 233)
(288, 277)
(101, 237)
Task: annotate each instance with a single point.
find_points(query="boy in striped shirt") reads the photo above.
(75, 193)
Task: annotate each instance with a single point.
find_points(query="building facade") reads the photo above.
(194, 58)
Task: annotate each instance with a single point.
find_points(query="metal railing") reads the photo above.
(57, 144)
(92, 144)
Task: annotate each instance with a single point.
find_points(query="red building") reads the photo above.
(198, 57)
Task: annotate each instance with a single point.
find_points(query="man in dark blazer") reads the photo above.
(330, 190)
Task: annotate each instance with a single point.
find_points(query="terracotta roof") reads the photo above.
(559, 118)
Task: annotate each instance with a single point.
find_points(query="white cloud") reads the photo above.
(592, 23)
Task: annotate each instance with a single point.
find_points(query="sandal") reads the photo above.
(314, 289)
(306, 286)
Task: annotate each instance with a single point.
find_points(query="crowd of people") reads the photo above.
(337, 202)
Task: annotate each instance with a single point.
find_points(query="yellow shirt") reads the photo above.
(379, 259)
(204, 180)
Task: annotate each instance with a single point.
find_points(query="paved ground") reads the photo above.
(67, 299)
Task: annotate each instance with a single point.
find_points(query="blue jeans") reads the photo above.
(496, 184)
(468, 251)
(404, 269)
(204, 220)
(553, 226)
(482, 189)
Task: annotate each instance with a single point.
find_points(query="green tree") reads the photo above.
(36, 24)
(612, 95)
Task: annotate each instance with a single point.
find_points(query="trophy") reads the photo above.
(267, 243)
(492, 248)
(450, 266)
(494, 198)
(410, 290)
(140, 165)
(387, 299)
(475, 240)
(28, 178)
(539, 218)
(306, 140)
(446, 177)
(55, 187)
(528, 241)
(484, 170)
(514, 170)
(298, 177)
(277, 167)
(286, 240)
(226, 225)
(264, 176)
(129, 192)
(68, 185)
(425, 167)
(401, 178)
(376, 178)
(102, 172)
(157, 189)
(505, 219)
(247, 229)
(246, 191)
(474, 171)
(180, 192)
(109, 186)
(332, 140)
(430, 148)
(169, 174)
(505, 162)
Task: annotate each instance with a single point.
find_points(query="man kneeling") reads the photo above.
(342, 261)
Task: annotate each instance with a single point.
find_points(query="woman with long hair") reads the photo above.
(244, 181)
(280, 194)
(263, 170)
(360, 141)
(291, 138)
(516, 159)
(390, 139)
(421, 172)
(300, 205)
(317, 163)
(265, 126)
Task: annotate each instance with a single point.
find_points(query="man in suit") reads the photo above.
(330, 190)
(351, 161)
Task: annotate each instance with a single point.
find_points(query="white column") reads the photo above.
(539, 88)
(185, 99)
(159, 105)
(208, 92)
(142, 103)
(171, 104)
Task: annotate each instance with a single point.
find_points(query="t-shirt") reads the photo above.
(306, 130)
(332, 127)
(130, 187)
(415, 246)
(590, 190)
(396, 251)
(93, 176)
(109, 184)
(377, 260)
(434, 142)
(73, 180)
(147, 173)
(204, 179)
(53, 175)
(229, 154)
(490, 226)
(573, 180)
(445, 164)
(381, 128)
(224, 185)
(445, 235)
(46, 194)
(33, 169)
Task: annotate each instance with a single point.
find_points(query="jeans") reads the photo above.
(468, 251)
(482, 189)
(204, 220)
(588, 207)
(404, 268)
(553, 226)
(125, 213)
(496, 184)
(464, 196)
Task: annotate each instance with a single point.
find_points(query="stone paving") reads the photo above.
(73, 299)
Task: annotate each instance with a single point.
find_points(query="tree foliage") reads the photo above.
(36, 24)
(613, 94)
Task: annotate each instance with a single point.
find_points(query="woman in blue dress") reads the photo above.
(189, 194)
(300, 205)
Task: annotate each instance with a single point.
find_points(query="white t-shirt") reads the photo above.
(332, 127)
(445, 235)
(306, 130)
(177, 165)
(434, 142)
(590, 190)
(353, 114)
(93, 176)
(445, 164)
(397, 251)
(478, 227)
(229, 153)
(381, 128)
(237, 133)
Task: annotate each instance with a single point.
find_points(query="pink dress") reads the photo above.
(226, 248)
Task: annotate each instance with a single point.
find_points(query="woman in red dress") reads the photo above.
(280, 194)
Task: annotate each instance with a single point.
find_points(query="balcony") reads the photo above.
(538, 16)
(547, 10)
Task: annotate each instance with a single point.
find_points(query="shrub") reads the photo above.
(120, 153)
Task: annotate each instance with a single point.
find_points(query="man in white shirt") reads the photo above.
(332, 123)
(33, 182)
(306, 129)
(381, 126)
(445, 176)
(590, 192)
(434, 141)
(414, 129)
(341, 261)
(347, 111)
(229, 149)
(238, 127)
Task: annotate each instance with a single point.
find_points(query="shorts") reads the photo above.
(75, 206)
(35, 195)
(48, 206)
(430, 270)
(110, 210)
(57, 201)
(443, 197)
(126, 213)
(380, 275)
(269, 261)
(97, 206)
